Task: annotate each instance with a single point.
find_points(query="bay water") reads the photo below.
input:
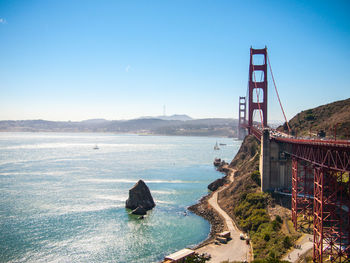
(63, 201)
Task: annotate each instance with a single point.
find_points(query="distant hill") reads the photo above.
(180, 125)
(176, 117)
(95, 121)
(321, 120)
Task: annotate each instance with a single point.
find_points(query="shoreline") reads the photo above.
(234, 248)
(203, 209)
(124, 133)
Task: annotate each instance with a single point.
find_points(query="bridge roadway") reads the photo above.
(326, 153)
(283, 137)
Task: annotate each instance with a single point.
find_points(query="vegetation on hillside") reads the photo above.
(322, 121)
(266, 260)
(244, 201)
(252, 216)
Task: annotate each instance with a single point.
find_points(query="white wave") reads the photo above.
(95, 180)
(90, 146)
(111, 197)
(164, 202)
(85, 208)
(54, 173)
(168, 192)
(43, 146)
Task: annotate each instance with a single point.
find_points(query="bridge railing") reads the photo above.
(256, 132)
(316, 142)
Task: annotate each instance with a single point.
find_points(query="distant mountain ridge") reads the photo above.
(180, 125)
(175, 117)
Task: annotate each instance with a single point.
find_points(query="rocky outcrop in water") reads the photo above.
(216, 184)
(139, 211)
(221, 166)
(140, 199)
(219, 163)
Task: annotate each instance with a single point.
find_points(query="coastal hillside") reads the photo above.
(322, 120)
(256, 213)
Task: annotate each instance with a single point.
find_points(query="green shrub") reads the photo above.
(279, 219)
(275, 225)
(266, 237)
(269, 260)
(252, 216)
(256, 177)
(287, 243)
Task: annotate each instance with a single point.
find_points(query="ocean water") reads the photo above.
(63, 201)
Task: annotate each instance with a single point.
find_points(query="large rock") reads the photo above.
(140, 196)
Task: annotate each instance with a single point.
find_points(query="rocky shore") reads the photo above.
(203, 209)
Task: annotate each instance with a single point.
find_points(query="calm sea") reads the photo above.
(63, 201)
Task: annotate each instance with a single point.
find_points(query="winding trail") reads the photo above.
(305, 242)
(236, 249)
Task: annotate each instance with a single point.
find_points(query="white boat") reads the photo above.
(96, 147)
(216, 147)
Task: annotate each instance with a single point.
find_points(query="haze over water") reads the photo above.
(63, 201)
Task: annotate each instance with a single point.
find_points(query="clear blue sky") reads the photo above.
(75, 60)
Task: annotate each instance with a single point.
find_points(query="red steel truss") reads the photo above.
(320, 178)
(331, 216)
(335, 157)
(302, 192)
(331, 195)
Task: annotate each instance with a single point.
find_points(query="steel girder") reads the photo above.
(331, 216)
(333, 157)
(302, 193)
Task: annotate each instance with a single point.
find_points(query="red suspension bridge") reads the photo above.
(317, 170)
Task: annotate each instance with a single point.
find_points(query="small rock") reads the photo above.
(216, 184)
(217, 161)
(139, 211)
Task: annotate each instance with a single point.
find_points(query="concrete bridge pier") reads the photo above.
(265, 167)
(275, 167)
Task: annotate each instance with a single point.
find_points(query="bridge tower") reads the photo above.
(242, 119)
(256, 88)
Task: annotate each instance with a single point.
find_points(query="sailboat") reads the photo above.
(96, 147)
(216, 147)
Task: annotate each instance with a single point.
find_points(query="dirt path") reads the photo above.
(305, 243)
(236, 249)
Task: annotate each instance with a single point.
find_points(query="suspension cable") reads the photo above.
(273, 79)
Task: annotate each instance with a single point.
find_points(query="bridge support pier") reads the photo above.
(264, 166)
(275, 167)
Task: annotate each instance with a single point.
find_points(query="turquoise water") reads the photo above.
(63, 201)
